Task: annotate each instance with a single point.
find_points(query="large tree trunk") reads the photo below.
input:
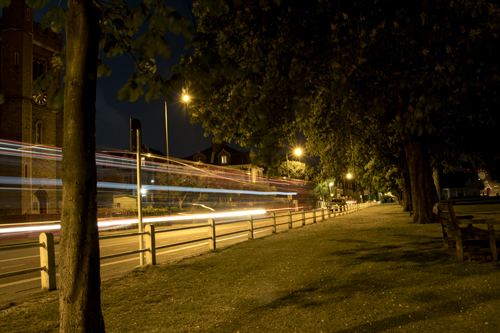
(79, 266)
(423, 191)
(406, 190)
(435, 176)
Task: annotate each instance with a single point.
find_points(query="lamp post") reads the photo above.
(296, 152)
(330, 187)
(349, 176)
(185, 98)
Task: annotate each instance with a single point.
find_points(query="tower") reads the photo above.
(26, 53)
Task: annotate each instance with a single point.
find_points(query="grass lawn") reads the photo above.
(369, 271)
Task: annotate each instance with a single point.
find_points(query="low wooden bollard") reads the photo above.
(47, 261)
(211, 233)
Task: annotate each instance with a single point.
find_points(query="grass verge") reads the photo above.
(370, 271)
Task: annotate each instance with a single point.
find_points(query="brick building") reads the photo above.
(26, 53)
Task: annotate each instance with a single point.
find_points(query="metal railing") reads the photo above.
(47, 253)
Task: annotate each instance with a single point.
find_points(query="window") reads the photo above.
(26, 171)
(223, 159)
(16, 58)
(38, 68)
(38, 133)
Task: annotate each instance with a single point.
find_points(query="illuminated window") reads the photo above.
(223, 159)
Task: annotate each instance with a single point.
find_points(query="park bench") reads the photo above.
(462, 232)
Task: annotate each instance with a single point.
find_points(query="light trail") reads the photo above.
(122, 222)
(111, 185)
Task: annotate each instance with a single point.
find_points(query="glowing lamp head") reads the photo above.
(298, 152)
(349, 176)
(331, 184)
(185, 98)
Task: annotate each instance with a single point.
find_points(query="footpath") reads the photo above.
(369, 271)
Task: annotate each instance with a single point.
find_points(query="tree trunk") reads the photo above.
(423, 191)
(79, 266)
(435, 176)
(406, 190)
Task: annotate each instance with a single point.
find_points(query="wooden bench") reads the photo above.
(459, 232)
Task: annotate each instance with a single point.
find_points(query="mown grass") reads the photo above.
(370, 271)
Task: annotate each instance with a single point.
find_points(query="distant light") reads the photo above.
(152, 180)
(144, 191)
(185, 98)
(349, 176)
(331, 184)
(298, 151)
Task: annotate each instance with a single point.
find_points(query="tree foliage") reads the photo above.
(423, 74)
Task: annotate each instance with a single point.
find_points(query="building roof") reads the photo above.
(212, 154)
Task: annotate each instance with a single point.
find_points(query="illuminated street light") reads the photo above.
(296, 152)
(185, 98)
(349, 176)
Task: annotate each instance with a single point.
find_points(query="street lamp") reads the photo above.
(349, 176)
(330, 186)
(296, 152)
(185, 98)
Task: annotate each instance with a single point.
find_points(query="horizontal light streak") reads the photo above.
(121, 222)
(110, 185)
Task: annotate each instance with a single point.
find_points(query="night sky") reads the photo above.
(113, 115)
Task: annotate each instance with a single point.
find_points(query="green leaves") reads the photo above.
(103, 69)
(37, 3)
(150, 43)
(42, 82)
(3, 4)
(131, 91)
(55, 18)
(56, 100)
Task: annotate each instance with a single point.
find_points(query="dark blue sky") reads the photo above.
(113, 115)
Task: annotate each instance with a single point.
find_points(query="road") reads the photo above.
(18, 287)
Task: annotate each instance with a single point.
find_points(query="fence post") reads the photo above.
(290, 220)
(47, 260)
(303, 217)
(314, 215)
(250, 227)
(274, 223)
(329, 212)
(150, 245)
(322, 214)
(211, 234)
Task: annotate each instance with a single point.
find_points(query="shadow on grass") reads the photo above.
(435, 312)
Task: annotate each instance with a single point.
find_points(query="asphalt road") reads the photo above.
(14, 288)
